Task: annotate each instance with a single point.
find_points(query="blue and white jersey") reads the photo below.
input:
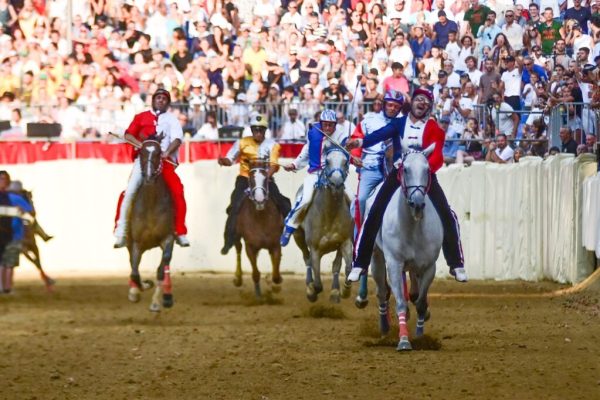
(312, 153)
(373, 156)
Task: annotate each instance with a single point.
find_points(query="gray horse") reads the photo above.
(327, 227)
(410, 240)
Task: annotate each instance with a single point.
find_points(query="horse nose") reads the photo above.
(337, 178)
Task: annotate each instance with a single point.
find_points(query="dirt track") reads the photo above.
(500, 340)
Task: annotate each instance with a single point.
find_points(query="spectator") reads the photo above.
(508, 120)
(442, 28)
(511, 84)
(550, 31)
(475, 17)
(397, 81)
(500, 152)
(471, 149)
(581, 14)
(293, 128)
(488, 31)
(210, 129)
(567, 143)
(513, 31)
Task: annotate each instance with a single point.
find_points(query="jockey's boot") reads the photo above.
(120, 242)
(286, 235)
(182, 241)
(356, 272)
(459, 274)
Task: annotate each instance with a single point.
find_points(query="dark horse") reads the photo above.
(259, 223)
(151, 225)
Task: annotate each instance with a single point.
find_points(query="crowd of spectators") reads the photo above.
(494, 66)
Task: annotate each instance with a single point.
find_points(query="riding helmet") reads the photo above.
(328, 116)
(423, 92)
(259, 120)
(394, 95)
(164, 92)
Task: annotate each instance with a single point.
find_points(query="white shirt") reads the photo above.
(403, 55)
(475, 76)
(293, 130)
(506, 124)
(514, 34)
(506, 154)
(413, 133)
(457, 121)
(169, 125)
(512, 82)
(371, 122)
(208, 132)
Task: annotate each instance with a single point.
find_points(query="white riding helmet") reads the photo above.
(259, 120)
(328, 116)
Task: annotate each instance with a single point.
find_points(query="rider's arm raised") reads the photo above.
(386, 132)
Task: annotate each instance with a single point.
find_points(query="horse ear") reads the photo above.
(429, 150)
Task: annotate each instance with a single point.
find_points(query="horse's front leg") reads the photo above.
(347, 254)
(135, 282)
(315, 286)
(275, 254)
(163, 292)
(237, 280)
(382, 290)
(334, 297)
(395, 275)
(252, 254)
(422, 303)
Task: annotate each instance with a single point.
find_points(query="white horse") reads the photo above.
(410, 240)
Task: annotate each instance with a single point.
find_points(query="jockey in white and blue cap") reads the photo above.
(312, 155)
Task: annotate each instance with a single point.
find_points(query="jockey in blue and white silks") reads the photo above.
(312, 155)
(416, 130)
(372, 172)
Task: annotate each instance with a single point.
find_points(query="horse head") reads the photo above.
(150, 158)
(415, 178)
(259, 182)
(335, 172)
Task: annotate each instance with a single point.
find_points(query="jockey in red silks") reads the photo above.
(417, 131)
(157, 121)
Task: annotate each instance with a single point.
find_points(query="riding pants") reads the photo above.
(451, 245)
(173, 184)
(368, 180)
(302, 200)
(237, 197)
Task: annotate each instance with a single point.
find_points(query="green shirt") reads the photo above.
(549, 35)
(476, 18)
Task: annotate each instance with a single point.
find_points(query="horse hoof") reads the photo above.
(334, 297)
(237, 281)
(346, 290)
(361, 303)
(167, 300)
(276, 288)
(277, 280)
(134, 295)
(154, 307)
(404, 344)
(147, 284)
(419, 331)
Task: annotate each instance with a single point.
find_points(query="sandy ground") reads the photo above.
(485, 340)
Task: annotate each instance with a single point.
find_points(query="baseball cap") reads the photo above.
(334, 81)
(509, 58)
(442, 74)
(445, 119)
(441, 13)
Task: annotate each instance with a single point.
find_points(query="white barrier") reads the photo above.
(518, 221)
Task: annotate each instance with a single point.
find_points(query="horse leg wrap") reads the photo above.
(166, 284)
(403, 329)
(420, 326)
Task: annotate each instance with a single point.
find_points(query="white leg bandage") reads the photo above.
(135, 180)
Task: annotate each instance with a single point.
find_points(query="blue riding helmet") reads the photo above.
(394, 95)
(328, 116)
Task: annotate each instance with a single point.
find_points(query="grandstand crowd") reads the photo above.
(494, 66)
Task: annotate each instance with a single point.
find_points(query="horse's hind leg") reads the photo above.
(347, 254)
(237, 279)
(252, 254)
(275, 254)
(167, 288)
(421, 302)
(33, 255)
(334, 297)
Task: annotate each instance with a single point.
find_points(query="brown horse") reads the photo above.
(259, 223)
(151, 225)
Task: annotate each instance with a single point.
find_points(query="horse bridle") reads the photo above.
(424, 189)
(328, 172)
(160, 164)
(264, 189)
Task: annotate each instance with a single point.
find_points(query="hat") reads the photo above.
(334, 81)
(597, 58)
(509, 58)
(195, 101)
(355, 36)
(321, 47)
(454, 85)
(589, 67)
(445, 119)
(536, 48)
(293, 50)
(576, 25)
(146, 76)
(442, 74)
(395, 15)
(311, 38)
(423, 92)
(196, 83)
(441, 13)
(275, 86)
